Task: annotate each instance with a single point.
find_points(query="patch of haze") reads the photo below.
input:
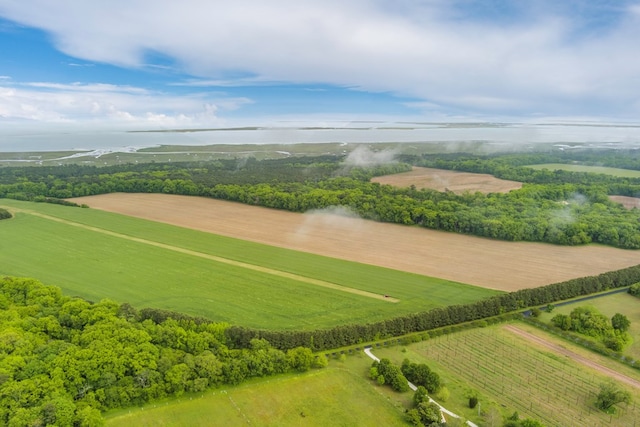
(564, 216)
(363, 156)
(439, 180)
(578, 199)
(334, 220)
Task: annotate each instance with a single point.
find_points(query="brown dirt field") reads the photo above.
(442, 180)
(489, 263)
(627, 202)
(578, 358)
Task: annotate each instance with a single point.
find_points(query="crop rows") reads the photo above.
(535, 383)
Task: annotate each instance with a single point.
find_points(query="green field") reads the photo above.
(625, 173)
(179, 276)
(330, 397)
(609, 305)
(512, 374)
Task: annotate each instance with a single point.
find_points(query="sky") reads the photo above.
(154, 64)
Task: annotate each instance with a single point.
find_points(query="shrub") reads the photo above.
(473, 402)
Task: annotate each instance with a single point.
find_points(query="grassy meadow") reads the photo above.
(625, 173)
(335, 396)
(150, 264)
(511, 374)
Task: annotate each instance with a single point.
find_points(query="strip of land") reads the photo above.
(248, 266)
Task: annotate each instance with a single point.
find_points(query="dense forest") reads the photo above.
(559, 207)
(64, 359)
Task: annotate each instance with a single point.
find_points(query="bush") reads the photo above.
(473, 402)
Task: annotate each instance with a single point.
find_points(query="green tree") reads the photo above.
(620, 322)
(611, 394)
(430, 414)
(300, 358)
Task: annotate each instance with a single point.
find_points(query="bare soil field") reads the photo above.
(443, 180)
(627, 202)
(473, 260)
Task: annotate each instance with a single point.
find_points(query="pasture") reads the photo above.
(96, 255)
(625, 173)
(332, 396)
(511, 373)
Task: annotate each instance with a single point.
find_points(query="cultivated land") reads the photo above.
(507, 368)
(488, 263)
(627, 202)
(330, 397)
(591, 169)
(96, 254)
(446, 180)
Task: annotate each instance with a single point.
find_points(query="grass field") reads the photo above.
(515, 375)
(609, 305)
(627, 173)
(175, 268)
(331, 397)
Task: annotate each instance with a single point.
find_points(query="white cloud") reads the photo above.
(110, 104)
(423, 49)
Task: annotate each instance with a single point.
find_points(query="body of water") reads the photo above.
(501, 134)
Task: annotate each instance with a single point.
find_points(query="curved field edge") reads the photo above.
(96, 265)
(319, 398)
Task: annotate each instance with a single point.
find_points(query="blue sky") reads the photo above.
(147, 64)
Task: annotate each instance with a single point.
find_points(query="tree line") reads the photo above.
(558, 207)
(347, 335)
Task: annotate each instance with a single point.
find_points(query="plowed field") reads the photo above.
(493, 264)
(446, 180)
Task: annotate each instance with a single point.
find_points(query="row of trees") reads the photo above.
(345, 335)
(558, 207)
(63, 359)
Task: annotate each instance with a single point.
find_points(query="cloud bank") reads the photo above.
(474, 57)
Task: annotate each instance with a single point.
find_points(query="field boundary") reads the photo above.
(274, 272)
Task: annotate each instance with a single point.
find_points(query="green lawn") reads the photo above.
(328, 397)
(627, 173)
(95, 265)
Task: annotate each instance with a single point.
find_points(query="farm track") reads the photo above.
(578, 358)
(248, 266)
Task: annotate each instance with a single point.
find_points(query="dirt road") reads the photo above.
(578, 358)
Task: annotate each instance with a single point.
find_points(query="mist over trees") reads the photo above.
(559, 207)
